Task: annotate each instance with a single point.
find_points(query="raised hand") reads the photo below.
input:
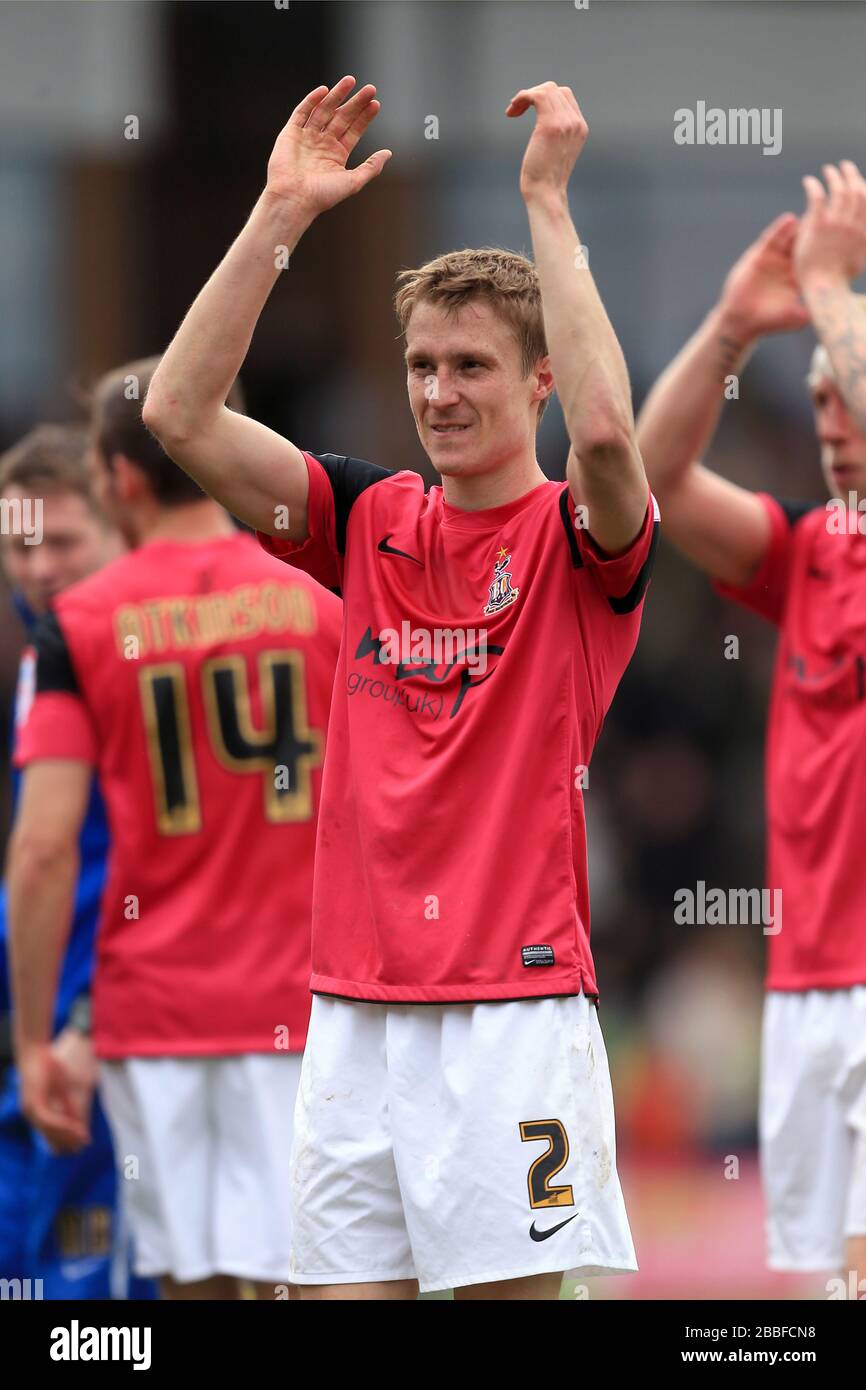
(558, 137)
(761, 294)
(307, 166)
(831, 242)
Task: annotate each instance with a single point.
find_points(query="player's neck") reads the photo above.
(192, 522)
(494, 489)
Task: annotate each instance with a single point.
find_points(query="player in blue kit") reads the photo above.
(58, 1212)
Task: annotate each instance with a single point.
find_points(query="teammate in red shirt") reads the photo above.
(196, 677)
(804, 569)
(486, 627)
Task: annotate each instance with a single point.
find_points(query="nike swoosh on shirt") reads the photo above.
(80, 1269)
(387, 549)
(543, 1235)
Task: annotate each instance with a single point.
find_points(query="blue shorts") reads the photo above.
(59, 1217)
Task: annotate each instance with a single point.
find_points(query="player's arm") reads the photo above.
(722, 528)
(605, 472)
(247, 467)
(42, 874)
(830, 253)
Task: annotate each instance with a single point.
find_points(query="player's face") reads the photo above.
(474, 410)
(843, 446)
(74, 542)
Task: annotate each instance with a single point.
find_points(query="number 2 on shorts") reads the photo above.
(548, 1164)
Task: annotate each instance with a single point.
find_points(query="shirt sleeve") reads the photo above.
(336, 483)
(623, 578)
(58, 723)
(766, 593)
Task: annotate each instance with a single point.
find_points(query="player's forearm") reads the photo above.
(198, 368)
(41, 895)
(840, 323)
(681, 412)
(587, 362)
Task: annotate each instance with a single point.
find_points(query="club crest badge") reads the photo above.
(501, 590)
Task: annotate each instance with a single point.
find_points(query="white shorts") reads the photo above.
(202, 1149)
(456, 1144)
(813, 1125)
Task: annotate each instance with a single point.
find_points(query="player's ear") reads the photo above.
(129, 481)
(544, 374)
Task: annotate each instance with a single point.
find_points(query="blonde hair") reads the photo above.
(507, 281)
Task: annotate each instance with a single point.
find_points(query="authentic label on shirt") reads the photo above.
(537, 955)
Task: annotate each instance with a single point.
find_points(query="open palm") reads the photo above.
(761, 290)
(308, 162)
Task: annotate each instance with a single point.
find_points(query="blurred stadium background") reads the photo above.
(105, 239)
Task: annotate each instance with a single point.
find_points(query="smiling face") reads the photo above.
(474, 409)
(74, 543)
(843, 446)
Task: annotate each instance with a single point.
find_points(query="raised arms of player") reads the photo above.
(247, 467)
(830, 252)
(721, 527)
(42, 873)
(605, 472)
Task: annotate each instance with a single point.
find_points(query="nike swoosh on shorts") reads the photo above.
(543, 1235)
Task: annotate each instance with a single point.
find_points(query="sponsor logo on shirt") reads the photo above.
(431, 701)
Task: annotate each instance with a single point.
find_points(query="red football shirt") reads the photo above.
(451, 854)
(812, 586)
(196, 678)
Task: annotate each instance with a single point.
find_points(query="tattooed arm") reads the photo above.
(830, 252)
(721, 527)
